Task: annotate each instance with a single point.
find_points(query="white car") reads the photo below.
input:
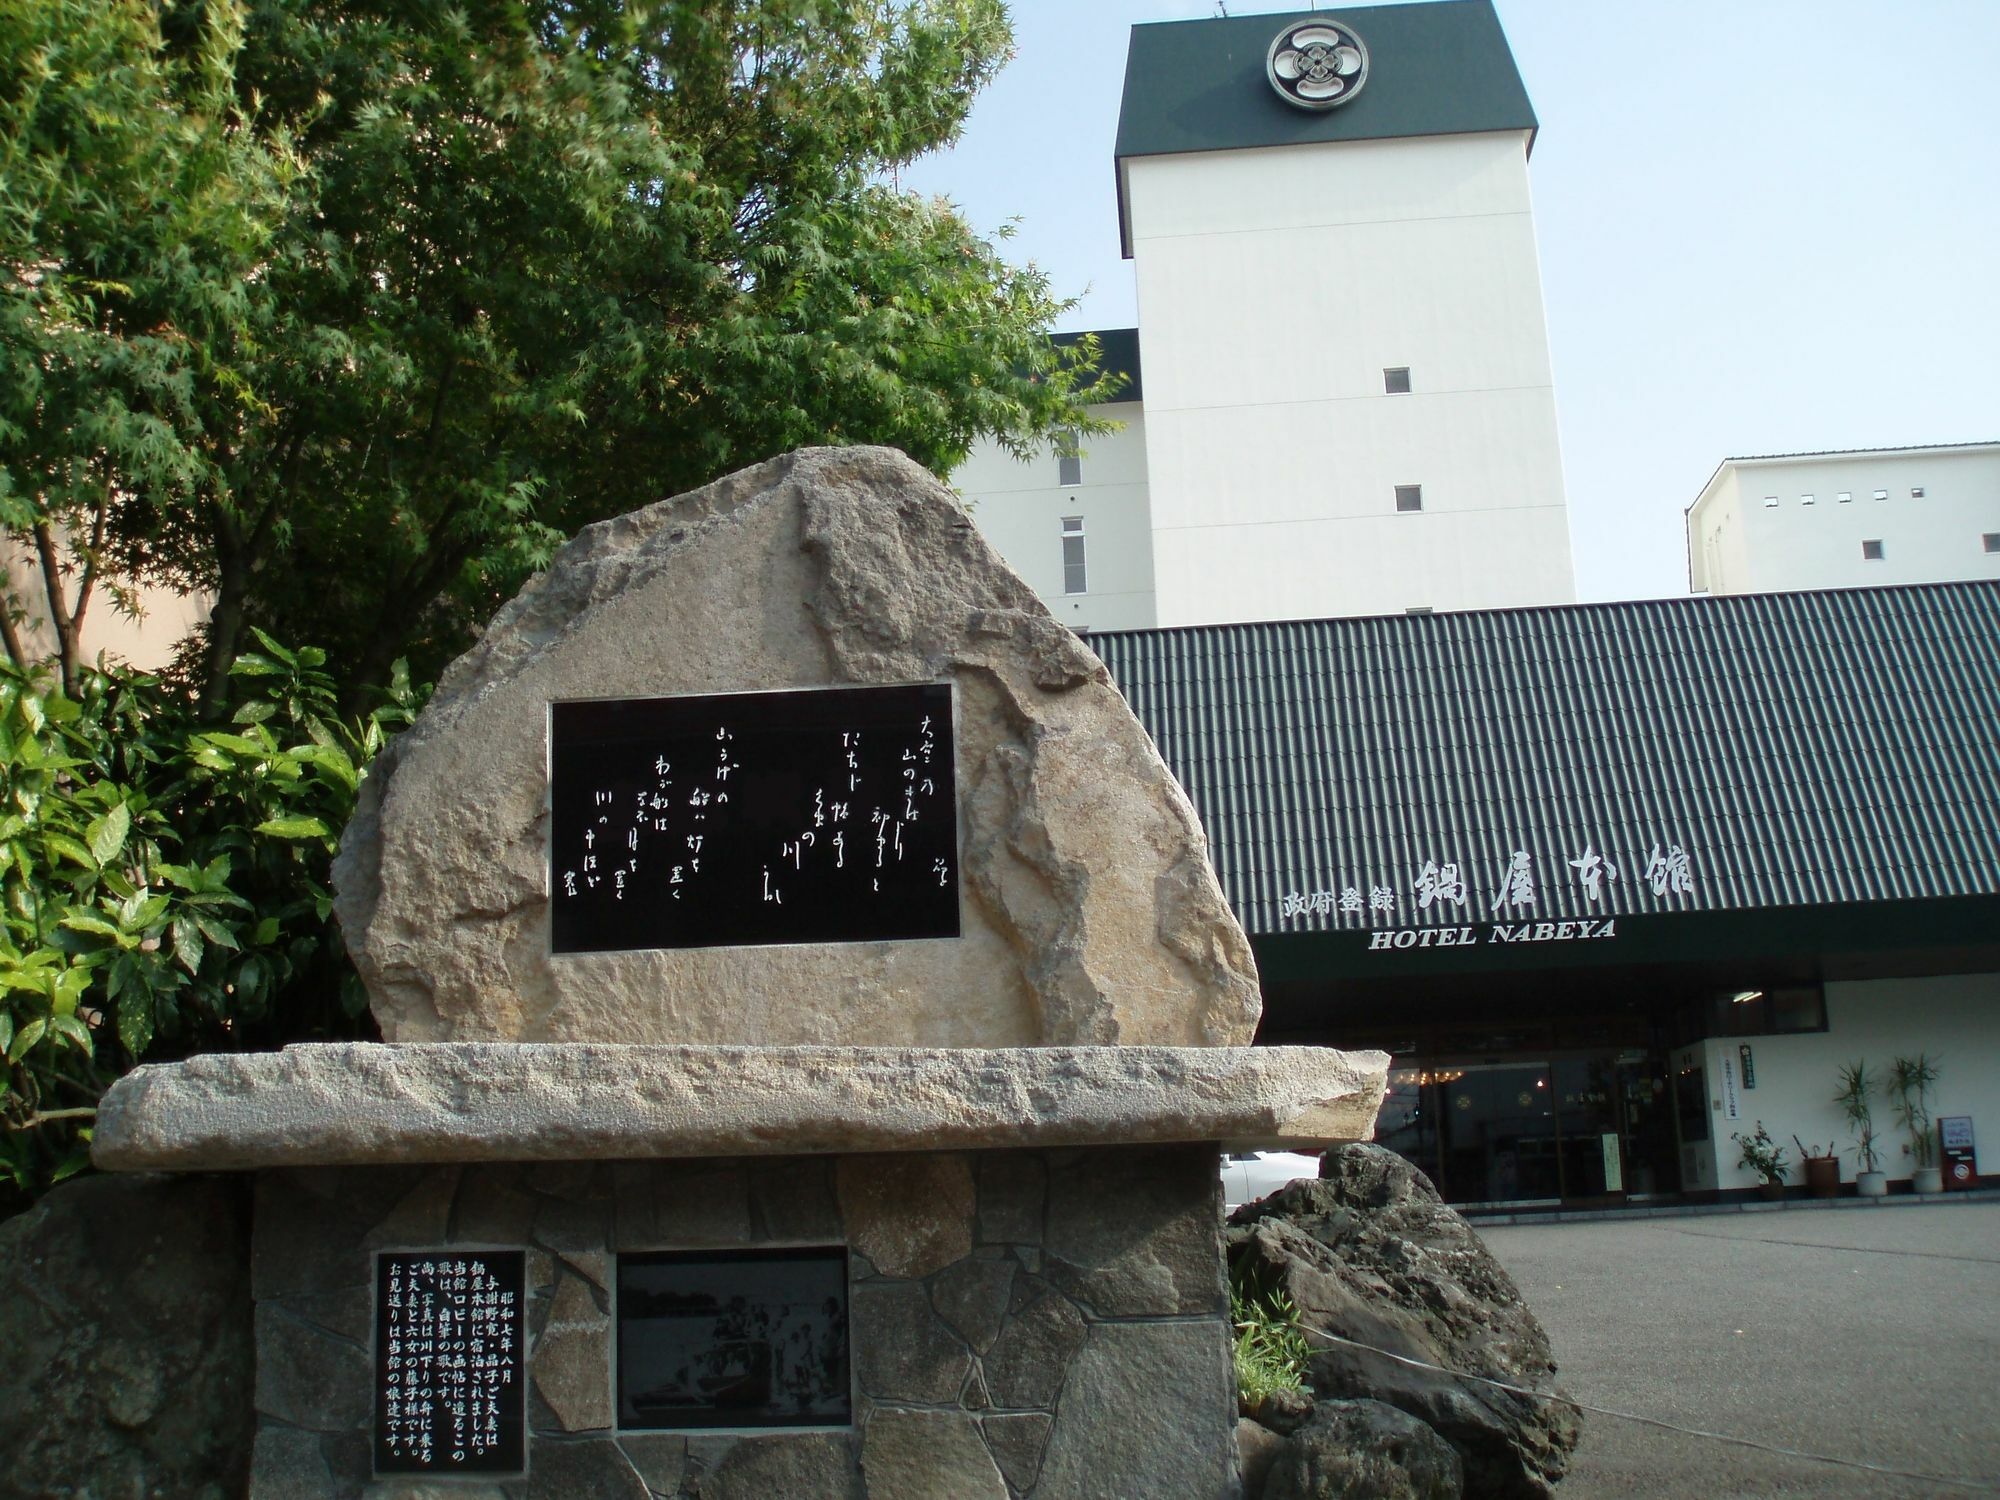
(1250, 1175)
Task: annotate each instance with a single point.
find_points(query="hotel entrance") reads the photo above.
(1593, 1128)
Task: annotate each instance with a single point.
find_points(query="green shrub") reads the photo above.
(1271, 1352)
(164, 884)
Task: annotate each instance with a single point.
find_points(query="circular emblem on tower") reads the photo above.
(1317, 63)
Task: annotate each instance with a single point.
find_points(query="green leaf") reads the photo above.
(75, 1032)
(25, 1039)
(266, 932)
(216, 932)
(188, 945)
(96, 926)
(70, 986)
(293, 828)
(107, 834)
(6, 1030)
(135, 1020)
(70, 849)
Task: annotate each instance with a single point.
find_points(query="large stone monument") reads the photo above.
(811, 1019)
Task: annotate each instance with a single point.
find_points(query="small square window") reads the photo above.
(1770, 502)
(1845, 497)
(1397, 381)
(1991, 541)
(1409, 497)
(1881, 494)
(1871, 550)
(1916, 492)
(1806, 500)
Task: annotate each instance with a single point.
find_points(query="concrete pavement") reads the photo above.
(1870, 1335)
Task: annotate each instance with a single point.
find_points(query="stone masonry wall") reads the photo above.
(1023, 1325)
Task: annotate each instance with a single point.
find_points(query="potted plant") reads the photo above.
(1912, 1088)
(1822, 1168)
(1855, 1098)
(1763, 1156)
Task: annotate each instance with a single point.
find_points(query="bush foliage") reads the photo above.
(1270, 1352)
(166, 882)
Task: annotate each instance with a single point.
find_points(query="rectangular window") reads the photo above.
(1767, 1012)
(1074, 577)
(1845, 497)
(1991, 541)
(1770, 502)
(1397, 381)
(1871, 550)
(1806, 500)
(1069, 461)
(1409, 497)
(1881, 494)
(1916, 492)
(742, 1338)
(1418, 609)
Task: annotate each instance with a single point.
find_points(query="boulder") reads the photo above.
(1369, 1253)
(127, 1331)
(1089, 911)
(1364, 1450)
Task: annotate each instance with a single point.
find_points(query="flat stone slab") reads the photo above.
(353, 1104)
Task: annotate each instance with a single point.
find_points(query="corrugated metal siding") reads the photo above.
(1801, 749)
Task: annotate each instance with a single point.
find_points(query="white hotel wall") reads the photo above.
(1739, 545)
(1954, 1018)
(1019, 508)
(1275, 286)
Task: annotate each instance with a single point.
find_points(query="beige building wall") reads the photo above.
(147, 642)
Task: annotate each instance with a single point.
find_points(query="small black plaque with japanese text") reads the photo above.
(450, 1362)
(823, 815)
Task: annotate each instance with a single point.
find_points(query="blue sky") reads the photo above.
(1765, 226)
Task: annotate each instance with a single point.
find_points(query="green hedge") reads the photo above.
(165, 884)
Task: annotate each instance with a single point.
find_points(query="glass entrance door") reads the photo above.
(1496, 1133)
(1588, 1105)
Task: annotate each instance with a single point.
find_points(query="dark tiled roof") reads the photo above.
(1799, 749)
(1117, 354)
(1436, 69)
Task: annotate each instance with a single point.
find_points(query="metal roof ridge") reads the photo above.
(1743, 600)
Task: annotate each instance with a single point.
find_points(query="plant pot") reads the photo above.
(1769, 1190)
(1823, 1176)
(1871, 1184)
(1927, 1180)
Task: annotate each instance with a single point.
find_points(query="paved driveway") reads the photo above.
(1869, 1334)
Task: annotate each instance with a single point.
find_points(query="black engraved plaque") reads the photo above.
(450, 1362)
(743, 1338)
(818, 816)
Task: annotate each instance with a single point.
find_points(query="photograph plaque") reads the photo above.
(742, 1338)
(450, 1362)
(815, 816)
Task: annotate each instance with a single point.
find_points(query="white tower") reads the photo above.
(1347, 400)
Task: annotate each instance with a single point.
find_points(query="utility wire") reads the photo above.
(1983, 1487)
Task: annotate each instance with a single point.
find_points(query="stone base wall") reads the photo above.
(1023, 1325)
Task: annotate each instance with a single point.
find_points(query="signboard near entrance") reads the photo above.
(1961, 1163)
